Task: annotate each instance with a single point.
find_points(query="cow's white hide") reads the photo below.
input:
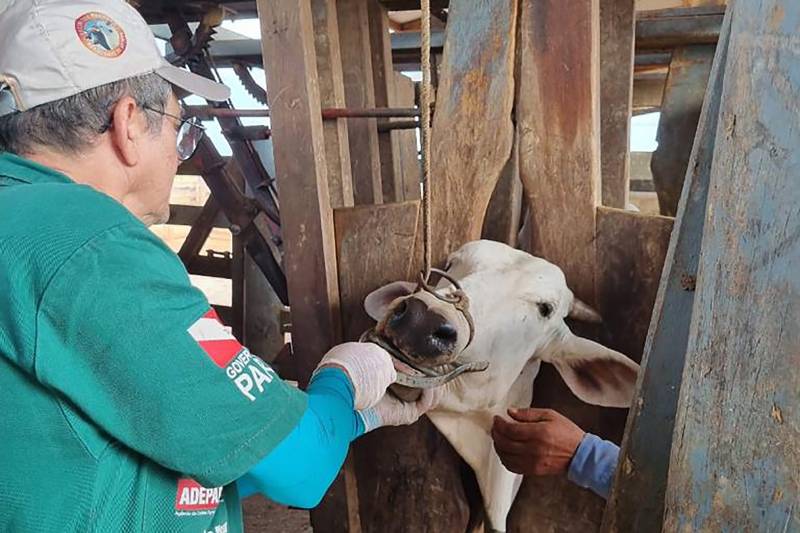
(518, 303)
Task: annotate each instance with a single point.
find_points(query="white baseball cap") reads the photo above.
(52, 49)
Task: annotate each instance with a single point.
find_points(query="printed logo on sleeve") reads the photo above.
(248, 372)
(194, 498)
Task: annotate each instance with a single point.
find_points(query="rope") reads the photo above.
(425, 103)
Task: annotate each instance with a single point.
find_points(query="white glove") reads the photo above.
(368, 366)
(390, 411)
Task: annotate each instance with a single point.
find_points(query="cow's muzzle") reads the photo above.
(422, 333)
(424, 339)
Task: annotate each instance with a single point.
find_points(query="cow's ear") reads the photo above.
(596, 374)
(377, 303)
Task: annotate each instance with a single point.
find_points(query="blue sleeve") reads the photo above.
(302, 467)
(594, 464)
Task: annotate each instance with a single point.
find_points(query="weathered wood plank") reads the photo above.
(637, 499)
(310, 260)
(558, 117)
(680, 111)
(672, 28)
(631, 248)
(617, 21)
(630, 254)
(504, 214)
(331, 89)
(359, 92)
(642, 5)
(472, 129)
(647, 95)
(287, 37)
(735, 464)
(375, 246)
(407, 141)
(397, 5)
(384, 82)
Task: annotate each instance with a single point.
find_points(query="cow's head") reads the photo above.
(518, 303)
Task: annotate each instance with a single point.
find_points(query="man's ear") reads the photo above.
(596, 374)
(127, 126)
(377, 303)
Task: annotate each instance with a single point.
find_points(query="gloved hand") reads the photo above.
(390, 411)
(369, 368)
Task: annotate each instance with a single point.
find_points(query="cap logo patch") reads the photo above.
(101, 34)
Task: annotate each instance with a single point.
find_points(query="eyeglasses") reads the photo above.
(190, 132)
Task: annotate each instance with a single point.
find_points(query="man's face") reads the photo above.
(159, 166)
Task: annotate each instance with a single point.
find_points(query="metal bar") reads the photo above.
(250, 133)
(667, 31)
(398, 125)
(379, 112)
(331, 113)
(200, 231)
(243, 213)
(213, 267)
(187, 215)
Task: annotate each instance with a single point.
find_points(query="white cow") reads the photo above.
(518, 303)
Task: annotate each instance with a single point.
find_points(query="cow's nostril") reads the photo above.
(400, 310)
(446, 333)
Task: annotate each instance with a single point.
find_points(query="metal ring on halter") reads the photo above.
(458, 299)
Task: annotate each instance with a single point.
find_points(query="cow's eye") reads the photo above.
(545, 309)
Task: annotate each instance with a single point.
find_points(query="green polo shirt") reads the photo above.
(124, 404)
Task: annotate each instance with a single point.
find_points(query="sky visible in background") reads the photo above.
(643, 127)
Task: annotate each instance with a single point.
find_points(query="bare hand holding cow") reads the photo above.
(536, 442)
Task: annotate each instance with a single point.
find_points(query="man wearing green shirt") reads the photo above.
(126, 405)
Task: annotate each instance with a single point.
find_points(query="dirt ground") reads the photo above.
(264, 516)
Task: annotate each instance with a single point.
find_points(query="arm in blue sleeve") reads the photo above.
(593, 465)
(301, 468)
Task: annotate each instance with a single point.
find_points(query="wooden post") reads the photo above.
(616, 96)
(631, 248)
(472, 129)
(359, 91)
(680, 111)
(406, 141)
(558, 117)
(331, 88)
(502, 222)
(384, 83)
(559, 122)
(310, 259)
(734, 462)
(287, 38)
(637, 499)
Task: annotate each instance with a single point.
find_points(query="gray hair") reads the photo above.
(72, 124)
